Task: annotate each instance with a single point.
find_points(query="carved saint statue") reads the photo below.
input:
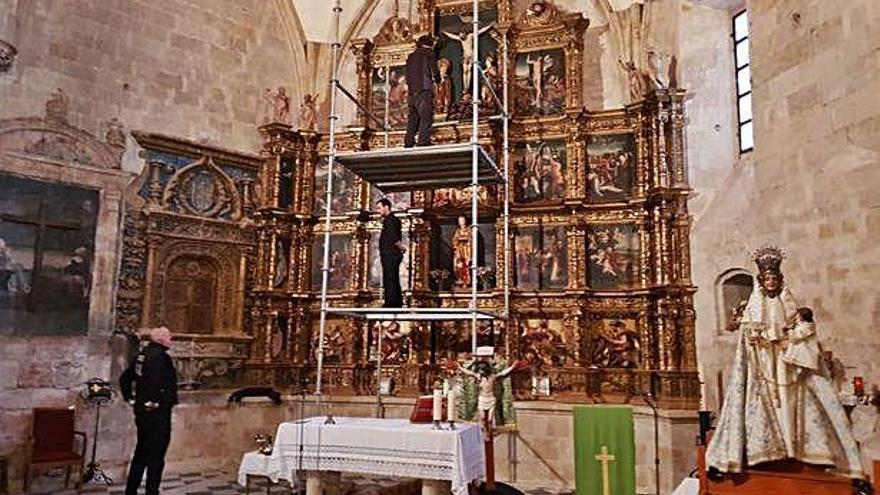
(443, 89)
(466, 38)
(461, 246)
(780, 402)
(307, 113)
(281, 105)
(635, 78)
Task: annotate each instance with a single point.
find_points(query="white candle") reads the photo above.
(450, 406)
(438, 405)
(445, 387)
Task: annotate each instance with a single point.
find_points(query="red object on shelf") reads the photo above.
(423, 412)
(859, 386)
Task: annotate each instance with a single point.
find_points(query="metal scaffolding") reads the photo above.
(406, 169)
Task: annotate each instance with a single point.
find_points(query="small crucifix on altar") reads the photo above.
(605, 458)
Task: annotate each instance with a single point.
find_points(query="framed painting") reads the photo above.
(542, 342)
(338, 341)
(611, 167)
(613, 256)
(454, 33)
(539, 83)
(540, 257)
(47, 247)
(397, 341)
(400, 201)
(539, 171)
(374, 264)
(343, 189)
(615, 343)
(389, 84)
(339, 275)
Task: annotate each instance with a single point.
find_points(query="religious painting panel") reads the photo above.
(340, 269)
(397, 341)
(540, 257)
(400, 201)
(343, 189)
(47, 243)
(338, 341)
(452, 339)
(539, 171)
(374, 263)
(454, 33)
(539, 83)
(544, 342)
(451, 253)
(613, 256)
(458, 199)
(614, 342)
(390, 94)
(611, 167)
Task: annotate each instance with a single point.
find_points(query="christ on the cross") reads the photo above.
(466, 38)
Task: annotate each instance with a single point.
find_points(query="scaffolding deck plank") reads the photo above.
(413, 314)
(428, 167)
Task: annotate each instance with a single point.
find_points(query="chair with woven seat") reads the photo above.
(53, 445)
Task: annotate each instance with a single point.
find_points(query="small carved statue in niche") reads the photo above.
(461, 244)
(115, 136)
(56, 106)
(443, 91)
(636, 80)
(281, 105)
(307, 113)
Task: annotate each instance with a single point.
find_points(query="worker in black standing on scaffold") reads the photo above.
(391, 251)
(421, 74)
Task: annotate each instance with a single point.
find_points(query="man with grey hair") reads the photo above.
(150, 386)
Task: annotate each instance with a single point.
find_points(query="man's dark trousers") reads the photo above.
(420, 119)
(391, 280)
(153, 437)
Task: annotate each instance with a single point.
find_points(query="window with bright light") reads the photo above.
(743, 81)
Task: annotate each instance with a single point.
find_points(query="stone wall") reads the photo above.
(189, 69)
(811, 184)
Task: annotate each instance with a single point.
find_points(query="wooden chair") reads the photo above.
(53, 445)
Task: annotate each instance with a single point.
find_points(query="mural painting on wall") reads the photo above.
(539, 169)
(374, 280)
(455, 38)
(611, 167)
(541, 257)
(453, 338)
(451, 255)
(337, 341)
(539, 83)
(343, 186)
(615, 343)
(543, 343)
(395, 85)
(613, 256)
(397, 341)
(339, 274)
(47, 246)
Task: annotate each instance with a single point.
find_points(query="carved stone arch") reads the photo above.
(56, 141)
(732, 288)
(225, 272)
(203, 189)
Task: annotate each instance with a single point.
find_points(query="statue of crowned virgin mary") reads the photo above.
(780, 402)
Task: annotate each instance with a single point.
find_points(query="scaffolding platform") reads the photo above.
(419, 168)
(413, 314)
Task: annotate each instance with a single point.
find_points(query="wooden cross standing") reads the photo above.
(605, 458)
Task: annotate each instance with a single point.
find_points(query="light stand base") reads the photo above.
(94, 474)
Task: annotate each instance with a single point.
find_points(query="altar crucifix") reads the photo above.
(604, 459)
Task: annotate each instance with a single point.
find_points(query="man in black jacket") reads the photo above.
(391, 251)
(421, 74)
(150, 385)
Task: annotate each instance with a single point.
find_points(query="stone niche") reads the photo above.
(188, 243)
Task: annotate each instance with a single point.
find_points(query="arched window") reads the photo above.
(190, 288)
(732, 289)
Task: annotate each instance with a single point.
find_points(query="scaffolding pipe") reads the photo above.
(475, 187)
(325, 270)
(507, 185)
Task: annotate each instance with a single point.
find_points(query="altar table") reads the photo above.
(382, 447)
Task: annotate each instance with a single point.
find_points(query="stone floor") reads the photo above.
(198, 483)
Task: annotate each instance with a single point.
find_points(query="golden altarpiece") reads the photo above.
(601, 295)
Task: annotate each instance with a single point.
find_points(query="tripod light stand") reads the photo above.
(98, 393)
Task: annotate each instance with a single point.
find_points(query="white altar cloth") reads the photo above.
(383, 447)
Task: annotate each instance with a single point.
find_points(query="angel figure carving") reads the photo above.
(307, 113)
